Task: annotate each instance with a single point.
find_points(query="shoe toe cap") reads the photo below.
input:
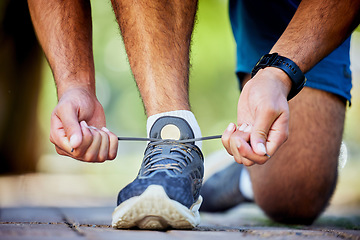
(178, 189)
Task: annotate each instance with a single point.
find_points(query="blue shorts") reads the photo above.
(257, 25)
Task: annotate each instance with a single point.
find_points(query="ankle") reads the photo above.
(184, 114)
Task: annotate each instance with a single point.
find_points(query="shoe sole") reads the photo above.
(154, 210)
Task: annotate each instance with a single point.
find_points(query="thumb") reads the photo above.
(72, 128)
(260, 131)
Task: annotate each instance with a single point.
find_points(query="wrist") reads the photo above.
(79, 81)
(280, 77)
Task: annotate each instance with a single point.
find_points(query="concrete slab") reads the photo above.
(110, 233)
(42, 206)
(99, 216)
(31, 215)
(24, 231)
(94, 223)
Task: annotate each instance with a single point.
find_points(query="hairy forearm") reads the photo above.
(317, 28)
(64, 30)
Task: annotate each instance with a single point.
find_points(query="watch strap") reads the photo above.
(295, 74)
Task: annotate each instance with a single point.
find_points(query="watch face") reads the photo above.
(265, 61)
(269, 59)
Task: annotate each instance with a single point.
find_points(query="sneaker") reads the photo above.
(166, 192)
(221, 191)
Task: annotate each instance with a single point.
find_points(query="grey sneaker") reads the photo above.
(166, 192)
(221, 191)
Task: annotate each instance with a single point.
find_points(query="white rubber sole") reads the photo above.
(153, 209)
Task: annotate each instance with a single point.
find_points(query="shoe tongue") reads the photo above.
(173, 128)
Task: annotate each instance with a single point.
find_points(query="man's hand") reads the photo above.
(78, 122)
(263, 118)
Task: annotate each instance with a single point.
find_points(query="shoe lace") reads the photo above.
(177, 156)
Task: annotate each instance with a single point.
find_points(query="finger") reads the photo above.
(57, 134)
(87, 137)
(92, 152)
(61, 152)
(278, 134)
(263, 121)
(235, 145)
(71, 125)
(242, 127)
(242, 150)
(239, 143)
(245, 130)
(113, 143)
(104, 146)
(225, 139)
(247, 162)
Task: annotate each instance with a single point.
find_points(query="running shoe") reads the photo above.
(221, 191)
(166, 192)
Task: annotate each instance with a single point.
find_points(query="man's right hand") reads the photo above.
(78, 124)
(263, 118)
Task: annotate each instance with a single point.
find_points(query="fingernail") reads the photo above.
(105, 129)
(72, 150)
(238, 143)
(74, 140)
(230, 128)
(84, 123)
(261, 148)
(91, 127)
(248, 129)
(242, 127)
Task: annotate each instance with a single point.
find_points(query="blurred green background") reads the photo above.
(213, 94)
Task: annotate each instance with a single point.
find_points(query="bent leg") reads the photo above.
(157, 37)
(295, 185)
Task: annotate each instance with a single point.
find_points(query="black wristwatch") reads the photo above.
(296, 76)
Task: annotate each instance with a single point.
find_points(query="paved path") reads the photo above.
(245, 222)
(56, 206)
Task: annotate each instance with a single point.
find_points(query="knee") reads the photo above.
(297, 205)
(292, 214)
